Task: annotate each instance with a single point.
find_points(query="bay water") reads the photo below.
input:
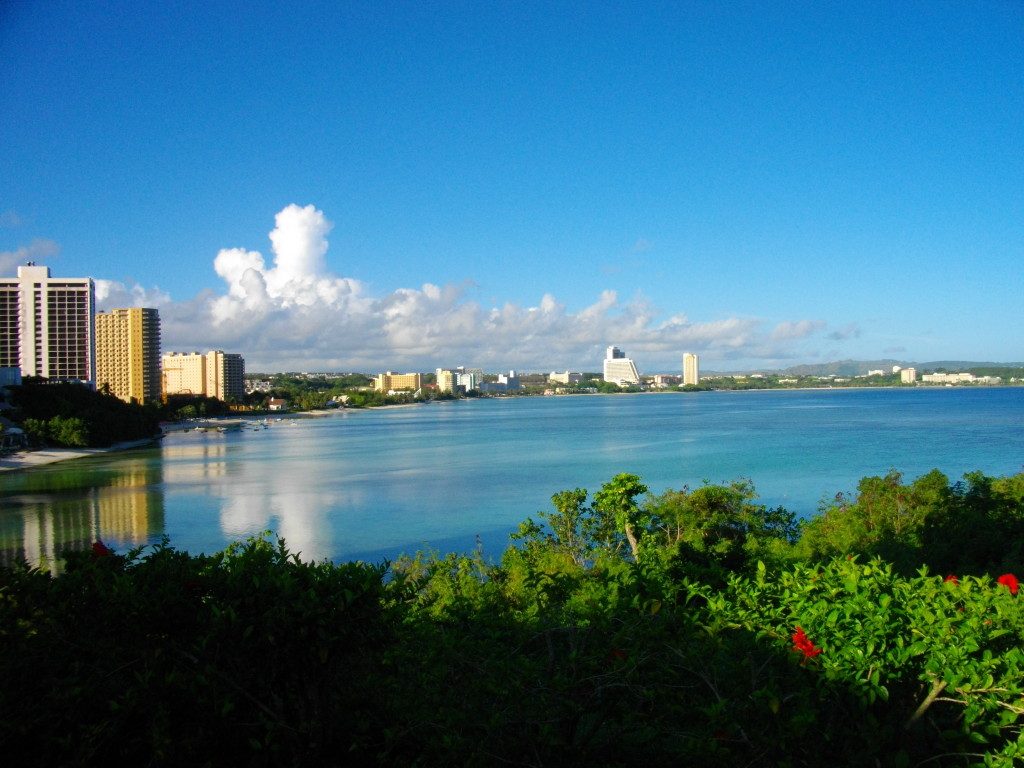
(452, 476)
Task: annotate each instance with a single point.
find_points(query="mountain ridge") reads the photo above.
(861, 367)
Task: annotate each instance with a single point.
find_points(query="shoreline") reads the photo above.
(26, 460)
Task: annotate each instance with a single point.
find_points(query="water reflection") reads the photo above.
(48, 512)
(291, 511)
(377, 482)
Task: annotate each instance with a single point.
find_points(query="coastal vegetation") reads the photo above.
(75, 416)
(693, 627)
(306, 392)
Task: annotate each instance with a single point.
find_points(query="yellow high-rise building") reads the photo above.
(446, 380)
(385, 382)
(183, 374)
(215, 374)
(128, 353)
(225, 375)
(691, 369)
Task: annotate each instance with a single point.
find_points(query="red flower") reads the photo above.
(99, 549)
(803, 644)
(952, 579)
(1009, 581)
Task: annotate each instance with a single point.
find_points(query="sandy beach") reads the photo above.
(30, 459)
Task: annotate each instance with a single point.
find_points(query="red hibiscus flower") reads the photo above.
(803, 644)
(99, 549)
(952, 579)
(1009, 581)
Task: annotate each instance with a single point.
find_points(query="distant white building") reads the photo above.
(619, 369)
(257, 385)
(948, 378)
(509, 383)
(878, 372)
(565, 378)
(691, 369)
(468, 380)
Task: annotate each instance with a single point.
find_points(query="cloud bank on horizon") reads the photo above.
(296, 314)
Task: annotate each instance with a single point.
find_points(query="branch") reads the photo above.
(938, 686)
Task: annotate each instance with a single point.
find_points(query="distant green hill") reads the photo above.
(859, 367)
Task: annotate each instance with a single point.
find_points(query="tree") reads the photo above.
(616, 509)
(718, 526)
(71, 431)
(570, 523)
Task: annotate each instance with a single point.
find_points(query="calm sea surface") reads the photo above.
(371, 484)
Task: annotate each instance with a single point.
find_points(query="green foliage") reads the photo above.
(717, 530)
(71, 432)
(975, 526)
(246, 656)
(617, 511)
(75, 416)
(710, 643)
(179, 407)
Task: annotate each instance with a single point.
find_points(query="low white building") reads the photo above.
(948, 378)
(565, 378)
(509, 383)
(257, 385)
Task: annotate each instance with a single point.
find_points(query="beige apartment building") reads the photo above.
(216, 374)
(447, 379)
(385, 382)
(691, 369)
(46, 325)
(128, 353)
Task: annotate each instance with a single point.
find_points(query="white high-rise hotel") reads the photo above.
(618, 368)
(47, 325)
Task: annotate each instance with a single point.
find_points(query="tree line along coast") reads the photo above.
(39, 413)
(308, 391)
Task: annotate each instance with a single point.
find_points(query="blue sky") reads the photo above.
(521, 184)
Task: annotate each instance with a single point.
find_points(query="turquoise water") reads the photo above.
(371, 484)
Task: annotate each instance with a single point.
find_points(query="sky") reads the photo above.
(403, 186)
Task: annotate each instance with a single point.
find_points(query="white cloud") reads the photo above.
(39, 248)
(111, 294)
(797, 330)
(298, 314)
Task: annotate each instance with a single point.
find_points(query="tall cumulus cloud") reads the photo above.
(297, 314)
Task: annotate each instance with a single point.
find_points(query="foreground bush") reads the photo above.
(678, 630)
(245, 656)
